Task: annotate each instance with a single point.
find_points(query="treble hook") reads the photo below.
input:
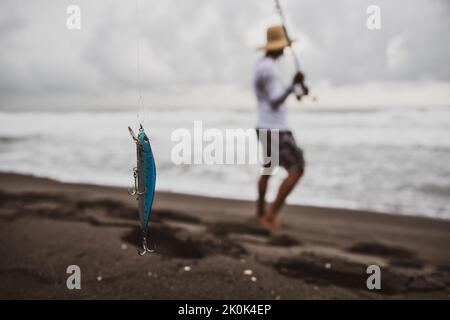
(145, 248)
(135, 190)
(132, 191)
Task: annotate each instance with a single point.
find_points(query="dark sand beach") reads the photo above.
(206, 247)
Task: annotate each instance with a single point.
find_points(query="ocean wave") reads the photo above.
(436, 189)
(393, 161)
(11, 140)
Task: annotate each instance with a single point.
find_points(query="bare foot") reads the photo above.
(259, 214)
(275, 222)
(270, 222)
(260, 209)
(262, 221)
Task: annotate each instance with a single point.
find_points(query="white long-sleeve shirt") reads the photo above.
(269, 87)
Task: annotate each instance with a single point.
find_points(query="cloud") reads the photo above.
(198, 45)
(396, 53)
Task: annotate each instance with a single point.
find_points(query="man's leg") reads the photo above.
(285, 188)
(262, 188)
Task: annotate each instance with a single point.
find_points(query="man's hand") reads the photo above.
(299, 78)
(305, 89)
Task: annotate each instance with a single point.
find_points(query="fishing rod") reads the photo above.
(294, 56)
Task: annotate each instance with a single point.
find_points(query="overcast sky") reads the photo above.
(202, 52)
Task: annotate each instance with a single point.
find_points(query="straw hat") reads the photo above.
(276, 39)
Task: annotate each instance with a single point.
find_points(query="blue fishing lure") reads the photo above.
(144, 182)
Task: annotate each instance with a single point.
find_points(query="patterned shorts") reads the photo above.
(290, 155)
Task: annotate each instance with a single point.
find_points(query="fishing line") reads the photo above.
(144, 173)
(141, 105)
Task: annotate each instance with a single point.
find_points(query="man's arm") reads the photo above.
(277, 101)
(276, 91)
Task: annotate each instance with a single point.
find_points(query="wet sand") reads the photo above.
(206, 247)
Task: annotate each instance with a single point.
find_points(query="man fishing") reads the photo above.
(271, 93)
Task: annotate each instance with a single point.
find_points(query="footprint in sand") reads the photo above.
(397, 256)
(312, 269)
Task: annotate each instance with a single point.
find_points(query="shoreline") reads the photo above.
(205, 247)
(199, 197)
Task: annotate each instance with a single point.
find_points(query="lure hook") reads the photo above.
(145, 248)
(135, 190)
